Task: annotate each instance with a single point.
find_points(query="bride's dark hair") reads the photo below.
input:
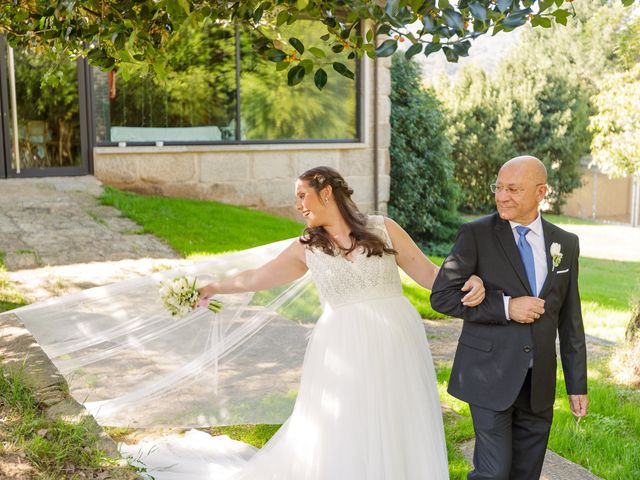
(317, 237)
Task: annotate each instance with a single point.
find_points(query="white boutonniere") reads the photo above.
(556, 254)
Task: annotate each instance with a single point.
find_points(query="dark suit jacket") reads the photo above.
(493, 354)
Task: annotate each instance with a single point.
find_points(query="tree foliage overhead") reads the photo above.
(120, 33)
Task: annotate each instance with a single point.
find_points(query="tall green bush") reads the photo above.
(424, 198)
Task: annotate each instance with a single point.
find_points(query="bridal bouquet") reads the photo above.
(180, 296)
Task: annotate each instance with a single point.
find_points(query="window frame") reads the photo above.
(358, 138)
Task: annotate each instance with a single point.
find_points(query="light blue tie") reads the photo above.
(526, 253)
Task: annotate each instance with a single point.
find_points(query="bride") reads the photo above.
(368, 405)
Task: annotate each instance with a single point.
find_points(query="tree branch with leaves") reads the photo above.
(118, 34)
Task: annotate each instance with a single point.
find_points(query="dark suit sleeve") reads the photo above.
(461, 263)
(573, 351)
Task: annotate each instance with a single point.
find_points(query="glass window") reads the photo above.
(196, 102)
(46, 117)
(271, 110)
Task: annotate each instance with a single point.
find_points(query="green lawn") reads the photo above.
(195, 227)
(606, 289)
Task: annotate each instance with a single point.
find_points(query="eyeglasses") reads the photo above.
(510, 189)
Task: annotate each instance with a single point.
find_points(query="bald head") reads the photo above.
(526, 167)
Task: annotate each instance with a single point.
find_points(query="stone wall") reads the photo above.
(260, 176)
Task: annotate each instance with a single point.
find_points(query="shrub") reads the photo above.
(424, 198)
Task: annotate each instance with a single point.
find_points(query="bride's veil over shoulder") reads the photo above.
(132, 364)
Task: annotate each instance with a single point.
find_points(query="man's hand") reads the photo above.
(525, 309)
(579, 405)
(475, 287)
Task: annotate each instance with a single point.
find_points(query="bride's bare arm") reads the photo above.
(422, 270)
(285, 268)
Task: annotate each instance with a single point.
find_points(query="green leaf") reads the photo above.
(343, 70)
(307, 64)
(561, 16)
(295, 75)
(302, 4)
(515, 19)
(257, 14)
(451, 55)
(337, 48)
(297, 44)
(320, 78)
(282, 17)
(544, 4)
(325, 37)
(504, 5)
(413, 50)
(292, 18)
(538, 21)
(317, 52)
(280, 66)
(369, 36)
(275, 55)
(462, 48)
(384, 29)
(453, 19)
(387, 48)
(478, 11)
(432, 48)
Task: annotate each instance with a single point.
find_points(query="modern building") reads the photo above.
(222, 125)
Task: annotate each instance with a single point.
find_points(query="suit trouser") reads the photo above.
(511, 444)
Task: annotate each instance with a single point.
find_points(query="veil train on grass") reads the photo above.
(134, 365)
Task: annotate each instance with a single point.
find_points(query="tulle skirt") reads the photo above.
(367, 409)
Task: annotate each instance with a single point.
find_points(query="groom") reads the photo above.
(505, 363)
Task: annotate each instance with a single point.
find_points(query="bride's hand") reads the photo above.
(475, 288)
(205, 293)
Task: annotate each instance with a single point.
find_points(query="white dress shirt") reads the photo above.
(536, 239)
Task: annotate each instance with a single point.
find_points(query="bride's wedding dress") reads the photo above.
(367, 406)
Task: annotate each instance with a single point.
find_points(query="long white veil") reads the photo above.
(133, 365)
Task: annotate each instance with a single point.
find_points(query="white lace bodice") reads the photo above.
(340, 281)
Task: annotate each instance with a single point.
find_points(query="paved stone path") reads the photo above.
(58, 239)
